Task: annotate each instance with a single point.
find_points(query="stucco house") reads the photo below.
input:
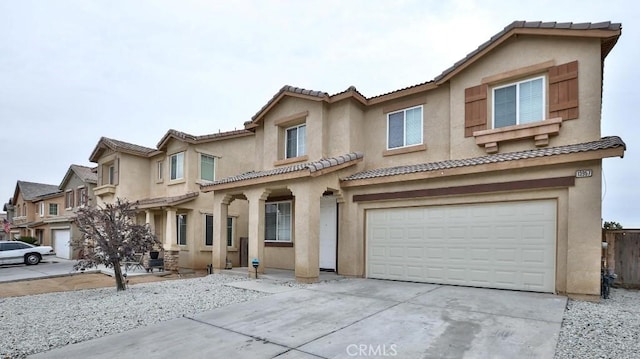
(164, 183)
(77, 187)
(33, 208)
(489, 175)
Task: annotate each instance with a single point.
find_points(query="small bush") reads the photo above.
(30, 240)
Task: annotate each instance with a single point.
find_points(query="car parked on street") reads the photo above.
(16, 252)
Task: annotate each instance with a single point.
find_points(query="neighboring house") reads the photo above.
(4, 235)
(165, 184)
(34, 207)
(77, 187)
(489, 175)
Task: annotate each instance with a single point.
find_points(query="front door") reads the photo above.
(328, 232)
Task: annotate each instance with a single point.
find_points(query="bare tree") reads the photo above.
(110, 236)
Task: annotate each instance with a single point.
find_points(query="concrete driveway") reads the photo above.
(351, 318)
(50, 267)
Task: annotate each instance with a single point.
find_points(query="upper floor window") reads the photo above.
(404, 128)
(159, 174)
(41, 209)
(295, 138)
(53, 209)
(82, 196)
(207, 167)
(177, 166)
(68, 199)
(278, 221)
(111, 174)
(518, 103)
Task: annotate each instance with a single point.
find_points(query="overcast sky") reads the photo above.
(73, 71)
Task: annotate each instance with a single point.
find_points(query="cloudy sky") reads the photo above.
(73, 71)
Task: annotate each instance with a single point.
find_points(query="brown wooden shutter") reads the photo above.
(116, 171)
(100, 167)
(475, 109)
(563, 91)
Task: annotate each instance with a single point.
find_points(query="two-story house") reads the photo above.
(34, 207)
(77, 187)
(164, 183)
(489, 175)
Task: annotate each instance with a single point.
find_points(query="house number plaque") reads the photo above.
(584, 173)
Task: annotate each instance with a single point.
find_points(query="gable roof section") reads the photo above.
(298, 170)
(120, 146)
(607, 31)
(32, 190)
(165, 201)
(188, 138)
(605, 143)
(86, 174)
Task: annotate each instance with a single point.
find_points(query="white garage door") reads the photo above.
(508, 245)
(61, 243)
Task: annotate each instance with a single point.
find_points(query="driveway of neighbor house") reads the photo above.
(350, 318)
(50, 267)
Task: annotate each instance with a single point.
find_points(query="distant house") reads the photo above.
(77, 187)
(34, 206)
(4, 234)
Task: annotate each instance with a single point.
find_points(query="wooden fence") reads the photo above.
(623, 256)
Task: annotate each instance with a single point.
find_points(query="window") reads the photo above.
(82, 196)
(207, 167)
(41, 209)
(404, 128)
(208, 230)
(181, 227)
(111, 174)
(230, 233)
(53, 209)
(278, 221)
(518, 103)
(159, 166)
(177, 166)
(68, 199)
(295, 141)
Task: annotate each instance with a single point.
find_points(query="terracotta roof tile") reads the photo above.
(186, 137)
(310, 166)
(604, 143)
(292, 89)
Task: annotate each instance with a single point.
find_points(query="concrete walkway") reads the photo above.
(350, 318)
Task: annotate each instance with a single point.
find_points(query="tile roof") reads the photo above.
(32, 190)
(127, 147)
(602, 144)
(160, 201)
(290, 89)
(183, 136)
(86, 174)
(310, 166)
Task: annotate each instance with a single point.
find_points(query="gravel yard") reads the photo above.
(37, 323)
(609, 329)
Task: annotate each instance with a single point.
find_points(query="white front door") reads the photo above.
(61, 244)
(328, 232)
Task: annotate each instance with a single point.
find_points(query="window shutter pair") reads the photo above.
(562, 93)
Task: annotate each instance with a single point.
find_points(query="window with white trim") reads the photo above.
(176, 166)
(68, 199)
(519, 103)
(181, 228)
(404, 128)
(41, 209)
(207, 167)
(111, 174)
(53, 209)
(277, 221)
(295, 141)
(82, 196)
(159, 166)
(208, 230)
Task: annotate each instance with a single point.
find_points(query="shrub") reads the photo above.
(27, 239)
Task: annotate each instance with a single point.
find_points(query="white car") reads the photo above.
(16, 252)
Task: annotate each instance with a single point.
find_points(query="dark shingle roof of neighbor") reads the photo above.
(602, 144)
(86, 174)
(32, 190)
(310, 166)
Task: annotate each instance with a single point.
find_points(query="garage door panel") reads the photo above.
(498, 245)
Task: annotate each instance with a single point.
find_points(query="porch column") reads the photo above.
(150, 220)
(170, 234)
(220, 213)
(256, 199)
(307, 233)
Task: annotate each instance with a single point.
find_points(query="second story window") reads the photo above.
(111, 174)
(41, 209)
(53, 209)
(68, 199)
(518, 103)
(404, 128)
(207, 168)
(82, 196)
(177, 166)
(295, 141)
(160, 166)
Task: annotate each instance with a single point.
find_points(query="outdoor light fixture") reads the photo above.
(255, 263)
